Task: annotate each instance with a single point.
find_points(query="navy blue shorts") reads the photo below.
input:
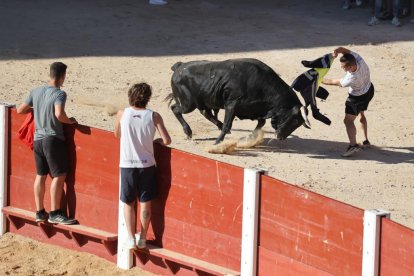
(51, 156)
(355, 104)
(138, 182)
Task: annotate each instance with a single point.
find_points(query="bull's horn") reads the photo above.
(305, 117)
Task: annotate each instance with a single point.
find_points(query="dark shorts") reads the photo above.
(51, 156)
(355, 104)
(138, 182)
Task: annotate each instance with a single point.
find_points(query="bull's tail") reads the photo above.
(169, 98)
(174, 67)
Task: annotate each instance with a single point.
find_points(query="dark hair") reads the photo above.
(139, 95)
(348, 59)
(57, 70)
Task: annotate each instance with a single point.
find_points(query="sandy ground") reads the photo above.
(23, 256)
(109, 45)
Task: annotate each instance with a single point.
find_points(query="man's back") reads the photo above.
(43, 100)
(138, 130)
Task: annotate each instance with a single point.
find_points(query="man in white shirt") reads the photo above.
(361, 92)
(136, 126)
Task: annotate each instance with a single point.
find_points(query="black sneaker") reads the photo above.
(366, 144)
(60, 218)
(351, 150)
(41, 215)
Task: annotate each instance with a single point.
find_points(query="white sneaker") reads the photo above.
(373, 21)
(129, 243)
(141, 243)
(158, 2)
(359, 2)
(396, 22)
(351, 150)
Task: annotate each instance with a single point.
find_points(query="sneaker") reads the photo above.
(41, 215)
(141, 243)
(60, 218)
(396, 22)
(129, 243)
(366, 144)
(158, 2)
(373, 21)
(346, 7)
(351, 150)
(359, 3)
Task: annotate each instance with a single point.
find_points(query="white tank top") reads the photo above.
(137, 136)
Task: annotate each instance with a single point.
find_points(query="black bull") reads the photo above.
(244, 88)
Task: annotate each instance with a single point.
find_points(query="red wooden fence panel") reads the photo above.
(91, 189)
(199, 210)
(309, 228)
(91, 186)
(397, 249)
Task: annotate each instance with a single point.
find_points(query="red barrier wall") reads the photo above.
(308, 230)
(199, 210)
(397, 249)
(91, 190)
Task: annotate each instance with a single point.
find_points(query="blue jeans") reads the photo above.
(378, 6)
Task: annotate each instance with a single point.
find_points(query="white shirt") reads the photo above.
(359, 81)
(137, 136)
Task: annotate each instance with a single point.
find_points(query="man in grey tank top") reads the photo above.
(50, 151)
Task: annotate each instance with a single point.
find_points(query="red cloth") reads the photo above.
(26, 131)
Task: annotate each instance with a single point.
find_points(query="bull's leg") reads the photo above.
(228, 122)
(212, 118)
(216, 111)
(260, 124)
(176, 109)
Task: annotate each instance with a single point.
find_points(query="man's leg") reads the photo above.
(395, 7)
(130, 218)
(145, 217)
(56, 190)
(377, 8)
(364, 125)
(350, 128)
(39, 191)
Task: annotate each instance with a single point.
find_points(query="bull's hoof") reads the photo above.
(218, 142)
(228, 132)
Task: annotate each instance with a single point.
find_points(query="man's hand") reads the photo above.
(340, 50)
(73, 120)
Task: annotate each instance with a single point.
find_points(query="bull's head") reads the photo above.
(289, 121)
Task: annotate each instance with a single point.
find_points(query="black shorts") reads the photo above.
(138, 182)
(355, 104)
(51, 156)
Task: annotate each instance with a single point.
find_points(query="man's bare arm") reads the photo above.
(332, 82)
(159, 125)
(61, 115)
(24, 108)
(117, 130)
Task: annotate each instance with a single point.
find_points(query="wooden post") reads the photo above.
(125, 256)
(4, 148)
(371, 241)
(251, 190)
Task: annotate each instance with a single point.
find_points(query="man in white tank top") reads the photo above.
(136, 127)
(360, 93)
